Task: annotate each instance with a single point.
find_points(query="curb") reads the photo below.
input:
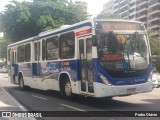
(17, 103)
(14, 100)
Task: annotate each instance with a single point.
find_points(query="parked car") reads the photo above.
(1, 69)
(4, 69)
(156, 79)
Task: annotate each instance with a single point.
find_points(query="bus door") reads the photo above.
(85, 55)
(13, 55)
(36, 64)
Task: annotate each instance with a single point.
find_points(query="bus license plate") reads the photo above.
(131, 90)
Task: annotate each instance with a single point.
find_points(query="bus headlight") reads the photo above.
(104, 79)
(150, 77)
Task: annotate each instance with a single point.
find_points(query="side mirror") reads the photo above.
(94, 40)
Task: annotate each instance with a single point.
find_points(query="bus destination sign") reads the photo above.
(119, 26)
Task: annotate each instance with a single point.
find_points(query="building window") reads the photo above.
(67, 45)
(52, 48)
(28, 52)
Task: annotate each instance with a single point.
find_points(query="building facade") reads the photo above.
(154, 17)
(147, 11)
(108, 7)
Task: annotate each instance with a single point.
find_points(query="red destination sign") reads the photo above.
(83, 32)
(112, 57)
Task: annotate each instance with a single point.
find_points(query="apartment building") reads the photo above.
(154, 17)
(123, 8)
(147, 11)
(108, 7)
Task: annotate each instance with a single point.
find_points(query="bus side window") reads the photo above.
(67, 45)
(28, 52)
(43, 49)
(12, 58)
(21, 56)
(37, 51)
(52, 48)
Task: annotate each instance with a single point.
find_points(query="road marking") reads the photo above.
(73, 107)
(19, 92)
(39, 97)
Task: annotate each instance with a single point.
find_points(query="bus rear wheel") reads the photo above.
(21, 83)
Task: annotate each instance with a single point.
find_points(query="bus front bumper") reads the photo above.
(102, 90)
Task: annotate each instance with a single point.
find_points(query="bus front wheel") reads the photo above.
(66, 90)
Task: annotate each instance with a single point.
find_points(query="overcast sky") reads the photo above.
(94, 6)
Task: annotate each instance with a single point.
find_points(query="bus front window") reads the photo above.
(121, 52)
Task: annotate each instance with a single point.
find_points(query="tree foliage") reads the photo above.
(154, 43)
(3, 48)
(26, 19)
(155, 48)
(108, 15)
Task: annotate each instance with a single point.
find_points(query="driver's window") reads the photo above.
(105, 44)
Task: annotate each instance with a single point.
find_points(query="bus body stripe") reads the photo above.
(66, 30)
(51, 34)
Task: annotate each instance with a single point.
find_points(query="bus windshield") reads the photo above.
(122, 51)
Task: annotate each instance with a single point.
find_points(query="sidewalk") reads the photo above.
(9, 104)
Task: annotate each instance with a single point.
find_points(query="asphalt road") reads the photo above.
(36, 100)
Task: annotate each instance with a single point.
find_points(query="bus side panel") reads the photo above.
(35, 69)
(50, 72)
(52, 69)
(26, 69)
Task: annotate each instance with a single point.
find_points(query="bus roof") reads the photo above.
(118, 20)
(54, 31)
(63, 29)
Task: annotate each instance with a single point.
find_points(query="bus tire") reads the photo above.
(66, 90)
(21, 83)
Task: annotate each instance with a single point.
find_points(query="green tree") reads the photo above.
(155, 48)
(108, 15)
(27, 19)
(3, 48)
(154, 43)
(1, 22)
(15, 21)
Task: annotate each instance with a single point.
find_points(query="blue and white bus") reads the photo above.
(99, 58)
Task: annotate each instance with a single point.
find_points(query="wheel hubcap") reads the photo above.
(21, 83)
(68, 89)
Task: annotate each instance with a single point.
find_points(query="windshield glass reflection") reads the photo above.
(123, 51)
